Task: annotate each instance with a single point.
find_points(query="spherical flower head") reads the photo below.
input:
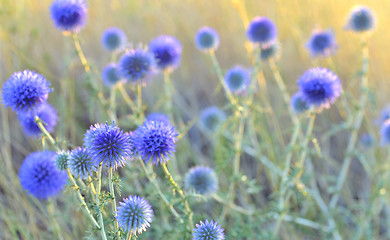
(261, 30)
(166, 51)
(201, 180)
(80, 163)
(46, 113)
(385, 133)
(136, 64)
(158, 117)
(298, 105)
(24, 91)
(366, 140)
(155, 140)
(270, 51)
(61, 160)
(207, 39)
(237, 79)
(361, 19)
(211, 118)
(39, 175)
(385, 115)
(108, 144)
(113, 38)
(134, 214)
(319, 87)
(110, 75)
(69, 15)
(209, 230)
(321, 43)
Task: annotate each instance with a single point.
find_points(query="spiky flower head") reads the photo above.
(298, 105)
(45, 112)
(166, 51)
(237, 79)
(158, 117)
(270, 51)
(261, 30)
(134, 214)
(80, 163)
(69, 15)
(39, 175)
(319, 87)
(212, 118)
(201, 180)
(385, 132)
(321, 43)
(113, 38)
(108, 144)
(136, 64)
(366, 140)
(61, 160)
(209, 230)
(110, 75)
(361, 19)
(207, 39)
(155, 140)
(25, 91)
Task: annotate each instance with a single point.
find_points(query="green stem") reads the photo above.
(177, 189)
(127, 98)
(168, 93)
(355, 127)
(100, 215)
(165, 200)
(139, 101)
(221, 78)
(113, 103)
(112, 191)
(56, 226)
(80, 52)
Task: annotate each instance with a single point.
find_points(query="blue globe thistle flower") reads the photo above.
(158, 117)
(45, 112)
(211, 118)
(25, 90)
(207, 39)
(321, 43)
(366, 140)
(69, 15)
(270, 51)
(361, 19)
(385, 133)
(385, 114)
(298, 105)
(134, 214)
(61, 160)
(202, 180)
(208, 230)
(166, 51)
(110, 75)
(319, 87)
(113, 38)
(108, 144)
(261, 30)
(136, 64)
(39, 175)
(80, 163)
(237, 79)
(155, 140)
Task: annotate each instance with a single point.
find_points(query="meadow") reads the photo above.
(269, 169)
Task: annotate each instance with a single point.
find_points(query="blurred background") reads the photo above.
(29, 40)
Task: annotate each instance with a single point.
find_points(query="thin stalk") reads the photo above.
(129, 235)
(139, 101)
(126, 97)
(219, 73)
(165, 200)
(100, 215)
(112, 191)
(38, 121)
(168, 93)
(181, 194)
(56, 226)
(80, 52)
(113, 104)
(355, 127)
